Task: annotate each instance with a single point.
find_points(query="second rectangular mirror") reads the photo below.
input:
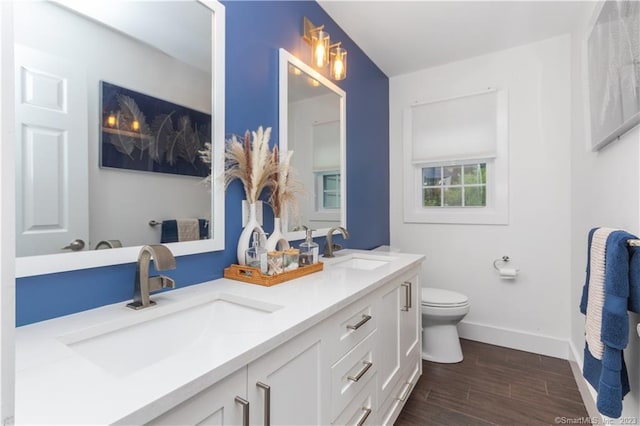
(313, 125)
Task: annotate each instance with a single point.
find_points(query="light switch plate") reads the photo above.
(245, 212)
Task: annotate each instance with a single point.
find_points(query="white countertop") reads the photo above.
(57, 385)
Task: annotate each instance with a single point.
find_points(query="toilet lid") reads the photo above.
(440, 297)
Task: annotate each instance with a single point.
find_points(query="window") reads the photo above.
(456, 160)
(328, 190)
(463, 185)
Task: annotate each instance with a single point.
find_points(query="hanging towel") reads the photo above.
(609, 374)
(176, 230)
(595, 302)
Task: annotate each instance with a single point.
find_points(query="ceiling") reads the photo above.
(405, 36)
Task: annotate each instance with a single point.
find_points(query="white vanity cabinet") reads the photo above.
(289, 384)
(398, 345)
(217, 405)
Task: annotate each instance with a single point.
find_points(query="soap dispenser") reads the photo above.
(308, 251)
(256, 256)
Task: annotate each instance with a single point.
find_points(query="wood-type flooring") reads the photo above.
(495, 386)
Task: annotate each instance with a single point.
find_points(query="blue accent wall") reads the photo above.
(255, 32)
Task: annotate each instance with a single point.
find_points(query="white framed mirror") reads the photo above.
(64, 51)
(313, 126)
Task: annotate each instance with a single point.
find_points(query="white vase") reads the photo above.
(245, 236)
(277, 237)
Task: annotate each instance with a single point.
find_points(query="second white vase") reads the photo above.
(277, 236)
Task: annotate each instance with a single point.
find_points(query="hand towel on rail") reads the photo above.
(176, 230)
(596, 290)
(609, 375)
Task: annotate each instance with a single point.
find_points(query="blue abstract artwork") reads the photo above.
(144, 133)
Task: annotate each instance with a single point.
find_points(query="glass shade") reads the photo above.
(338, 63)
(320, 48)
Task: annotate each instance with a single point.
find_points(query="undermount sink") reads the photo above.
(362, 261)
(124, 347)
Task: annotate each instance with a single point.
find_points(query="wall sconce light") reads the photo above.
(319, 41)
(135, 125)
(323, 52)
(338, 67)
(111, 120)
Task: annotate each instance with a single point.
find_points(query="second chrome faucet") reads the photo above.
(144, 285)
(329, 245)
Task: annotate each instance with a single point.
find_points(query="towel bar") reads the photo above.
(153, 223)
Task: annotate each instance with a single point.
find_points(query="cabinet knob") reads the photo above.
(367, 366)
(365, 415)
(267, 402)
(245, 410)
(360, 323)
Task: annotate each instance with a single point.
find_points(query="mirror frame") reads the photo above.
(285, 59)
(51, 263)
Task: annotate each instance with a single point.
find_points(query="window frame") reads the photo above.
(496, 211)
(463, 186)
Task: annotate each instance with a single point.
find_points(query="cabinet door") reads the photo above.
(389, 323)
(410, 317)
(289, 384)
(215, 405)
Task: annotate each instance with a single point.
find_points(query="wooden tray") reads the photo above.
(254, 276)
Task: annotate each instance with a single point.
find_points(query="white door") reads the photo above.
(52, 208)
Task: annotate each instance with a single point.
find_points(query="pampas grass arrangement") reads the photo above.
(250, 161)
(284, 186)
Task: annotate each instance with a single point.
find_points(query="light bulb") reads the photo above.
(319, 54)
(338, 69)
(111, 120)
(135, 125)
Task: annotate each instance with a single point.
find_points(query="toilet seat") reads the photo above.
(440, 298)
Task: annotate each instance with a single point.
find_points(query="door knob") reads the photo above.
(75, 245)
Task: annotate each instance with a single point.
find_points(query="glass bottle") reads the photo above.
(308, 251)
(256, 256)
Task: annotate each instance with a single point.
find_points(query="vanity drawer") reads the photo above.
(362, 410)
(390, 409)
(351, 374)
(350, 326)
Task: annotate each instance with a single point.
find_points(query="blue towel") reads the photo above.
(609, 376)
(169, 233)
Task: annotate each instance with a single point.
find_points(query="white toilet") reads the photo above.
(442, 310)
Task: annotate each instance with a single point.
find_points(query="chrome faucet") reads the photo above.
(329, 245)
(144, 284)
(108, 244)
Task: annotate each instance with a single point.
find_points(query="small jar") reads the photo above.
(291, 259)
(275, 262)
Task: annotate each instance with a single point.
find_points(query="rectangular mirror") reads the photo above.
(141, 83)
(313, 125)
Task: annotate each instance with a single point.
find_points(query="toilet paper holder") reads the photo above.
(504, 259)
(505, 273)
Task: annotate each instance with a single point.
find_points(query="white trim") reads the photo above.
(37, 265)
(515, 339)
(497, 210)
(286, 58)
(7, 217)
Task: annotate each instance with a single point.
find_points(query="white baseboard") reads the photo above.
(515, 339)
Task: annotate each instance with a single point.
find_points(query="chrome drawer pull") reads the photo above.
(360, 323)
(407, 295)
(364, 417)
(405, 392)
(245, 410)
(367, 366)
(267, 402)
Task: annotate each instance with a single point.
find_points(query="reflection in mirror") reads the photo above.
(66, 53)
(312, 124)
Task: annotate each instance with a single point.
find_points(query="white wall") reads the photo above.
(532, 312)
(121, 202)
(605, 192)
